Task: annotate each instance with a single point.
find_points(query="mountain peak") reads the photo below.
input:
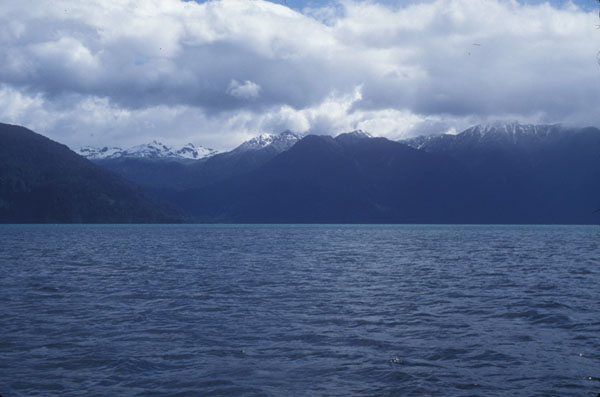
(93, 153)
(280, 142)
(356, 134)
(513, 129)
(353, 136)
(497, 133)
(154, 150)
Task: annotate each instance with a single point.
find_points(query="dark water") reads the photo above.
(300, 310)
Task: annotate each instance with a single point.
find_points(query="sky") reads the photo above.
(215, 73)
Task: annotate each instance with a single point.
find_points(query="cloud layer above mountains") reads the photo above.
(215, 73)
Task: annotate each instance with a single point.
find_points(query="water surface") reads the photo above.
(299, 310)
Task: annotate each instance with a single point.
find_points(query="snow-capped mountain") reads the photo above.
(353, 136)
(492, 134)
(152, 151)
(512, 132)
(278, 142)
(357, 134)
(94, 153)
(193, 152)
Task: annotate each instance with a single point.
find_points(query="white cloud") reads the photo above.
(213, 73)
(246, 90)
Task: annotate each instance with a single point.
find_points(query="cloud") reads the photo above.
(111, 71)
(247, 90)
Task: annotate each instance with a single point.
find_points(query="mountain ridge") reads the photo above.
(166, 173)
(507, 133)
(485, 174)
(42, 181)
(154, 150)
(344, 181)
(278, 142)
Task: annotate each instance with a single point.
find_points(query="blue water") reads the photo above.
(300, 310)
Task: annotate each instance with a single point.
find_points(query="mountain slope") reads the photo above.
(528, 173)
(518, 175)
(487, 174)
(276, 143)
(166, 173)
(345, 180)
(42, 181)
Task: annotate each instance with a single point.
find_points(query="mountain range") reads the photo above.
(167, 171)
(347, 179)
(500, 173)
(151, 151)
(497, 173)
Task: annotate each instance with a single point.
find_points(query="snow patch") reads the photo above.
(279, 142)
(154, 150)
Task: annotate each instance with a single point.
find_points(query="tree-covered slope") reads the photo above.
(42, 181)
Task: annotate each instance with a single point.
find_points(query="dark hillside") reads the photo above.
(42, 181)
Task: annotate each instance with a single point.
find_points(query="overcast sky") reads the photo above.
(118, 72)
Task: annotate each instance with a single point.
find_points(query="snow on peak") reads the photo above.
(511, 131)
(491, 134)
(360, 134)
(94, 153)
(280, 142)
(192, 152)
(154, 150)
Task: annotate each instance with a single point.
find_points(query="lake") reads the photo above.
(299, 310)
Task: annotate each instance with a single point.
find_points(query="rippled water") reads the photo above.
(300, 310)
